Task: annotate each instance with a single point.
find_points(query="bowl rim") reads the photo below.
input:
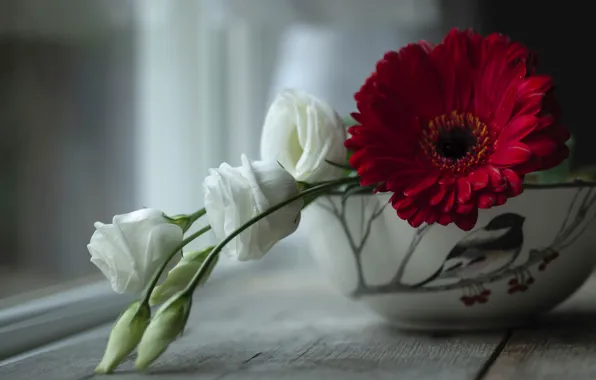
(571, 184)
(576, 184)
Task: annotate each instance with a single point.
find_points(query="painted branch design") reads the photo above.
(571, 229)
(339, 211)
(418, 235)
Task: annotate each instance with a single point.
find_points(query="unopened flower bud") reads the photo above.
(125, 336)
(168, 323)
(179, 277)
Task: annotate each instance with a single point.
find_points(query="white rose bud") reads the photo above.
(233, 195)
(165, 327)
(125, 336)
(181, 275)
(302, 133)
(131, 249)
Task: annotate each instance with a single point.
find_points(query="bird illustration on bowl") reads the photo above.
(523, 257)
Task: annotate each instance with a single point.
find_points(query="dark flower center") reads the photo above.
(455, 143)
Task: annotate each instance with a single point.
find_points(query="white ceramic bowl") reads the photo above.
(521, 259)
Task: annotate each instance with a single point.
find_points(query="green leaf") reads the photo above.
(586, 173)
(349, 121)
(341, 166)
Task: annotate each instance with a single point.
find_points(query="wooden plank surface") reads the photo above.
(279, 319)
(561, 346)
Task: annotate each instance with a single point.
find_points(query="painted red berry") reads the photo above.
(542, 267)
(513, 281)
(554, 255)
(468, 301)
(530, 281)
(485, 293)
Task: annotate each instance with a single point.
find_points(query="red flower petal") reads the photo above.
(432, 217)
(518, 128)
(511, 154)
(515, 182)
(542, 163)
(497, 74)
(438, 196)
(449, 202)
(446, 181)
(486, 200)
(467, 221)
(399, 179)
(403, 203)
(537, 84)
(420, 186)
(464, 190)
(446, 71)
(501, 200)
(528, 105)
(495, 177)
(541, 145)
(445, 219)
(407, 212)
(479, 179)
(464, 208)
(356, 116)
(419, 218)
(411, 77)
(556, 132)
(373, 172)
(545, 121)
(506, 106)
(462, 49)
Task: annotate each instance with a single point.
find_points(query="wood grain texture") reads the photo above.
(562, 345)
(273, 323)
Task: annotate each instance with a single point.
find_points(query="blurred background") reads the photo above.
(107, 106)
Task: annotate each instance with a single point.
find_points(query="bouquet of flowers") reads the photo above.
(447, 129)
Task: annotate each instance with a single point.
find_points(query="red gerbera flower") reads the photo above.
(455, 127)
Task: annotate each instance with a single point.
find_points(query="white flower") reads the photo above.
(131, 249)
(301, 132)
(235, 195)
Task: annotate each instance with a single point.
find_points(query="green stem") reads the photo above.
(163, 267)
(193, 217)
(215, 252)
(186, 221)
